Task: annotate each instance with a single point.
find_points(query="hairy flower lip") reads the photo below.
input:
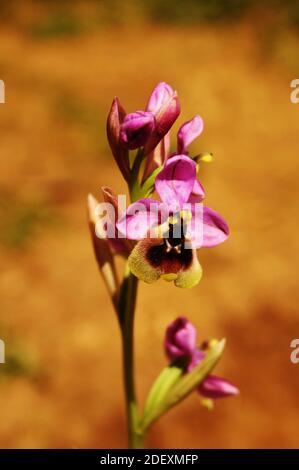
(150, 260)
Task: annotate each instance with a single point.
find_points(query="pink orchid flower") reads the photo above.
(172, 229)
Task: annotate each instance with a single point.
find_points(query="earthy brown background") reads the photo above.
(61, 386)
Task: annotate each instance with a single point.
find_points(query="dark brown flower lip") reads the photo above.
(170, 258)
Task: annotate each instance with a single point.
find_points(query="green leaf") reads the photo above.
(165, 381)
(148, 185)
(183, 386)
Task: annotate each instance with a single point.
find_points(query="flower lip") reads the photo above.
(169, 252)
(172, 257)
(152, 259)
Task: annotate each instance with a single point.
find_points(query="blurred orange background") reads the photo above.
(62, 63)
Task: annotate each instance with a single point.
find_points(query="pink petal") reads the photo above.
(215, 229)
(139, 218)
(216, 387)
(198, 193)
(165, 106)
(180, 339)
(160, 95)
(188, 132)
(176, 181)
(207, 228)
(136, 129)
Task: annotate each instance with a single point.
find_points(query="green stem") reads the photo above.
(134, 186)
(126, 312)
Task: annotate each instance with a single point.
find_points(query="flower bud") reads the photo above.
(136, 129)
(115, 118)
(180, 339)
(160, 96)
(165, 106)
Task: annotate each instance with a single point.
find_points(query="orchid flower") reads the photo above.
(180, 343)
(170, 231)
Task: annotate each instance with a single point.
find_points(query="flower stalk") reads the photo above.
(126, 315)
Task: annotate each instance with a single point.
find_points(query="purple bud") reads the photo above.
(136, 129)
(188, 132)
(160, 96)
(114, 121)
(215, 387)
(165, 106)
(180, 339)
